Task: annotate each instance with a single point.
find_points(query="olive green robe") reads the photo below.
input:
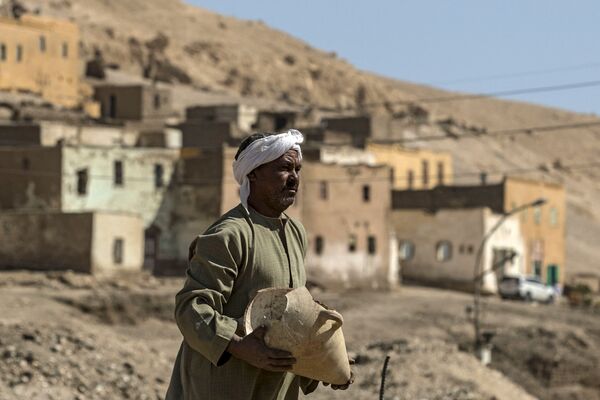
(237, 256)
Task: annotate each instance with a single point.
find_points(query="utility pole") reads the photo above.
(478, 275)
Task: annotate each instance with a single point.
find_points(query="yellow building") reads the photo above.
(40, 55)
(413, 168)
(543, 227)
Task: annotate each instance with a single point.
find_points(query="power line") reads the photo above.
(484, 78)
(508, 131)
(461, 97)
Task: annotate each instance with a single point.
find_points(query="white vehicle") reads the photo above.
(528, 288)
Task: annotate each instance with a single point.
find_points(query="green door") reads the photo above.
(552, 275)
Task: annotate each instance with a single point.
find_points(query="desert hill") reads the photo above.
(202, 52)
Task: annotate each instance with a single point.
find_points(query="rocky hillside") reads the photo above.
(185, 45)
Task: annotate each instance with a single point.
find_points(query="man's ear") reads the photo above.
(252, 176)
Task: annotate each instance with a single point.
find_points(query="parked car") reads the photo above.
(528, 288)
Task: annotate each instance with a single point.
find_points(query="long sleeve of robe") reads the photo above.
(230, 262)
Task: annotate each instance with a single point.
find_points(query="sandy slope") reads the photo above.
(237, 57)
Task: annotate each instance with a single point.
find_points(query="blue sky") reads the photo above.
(464, 45)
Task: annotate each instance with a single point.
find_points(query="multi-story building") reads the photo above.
(346, 212)
(542, 227)
(440, 248)
(414, 168)
(40, 55)
(77, 179)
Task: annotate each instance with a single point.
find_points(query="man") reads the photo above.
(252, 247)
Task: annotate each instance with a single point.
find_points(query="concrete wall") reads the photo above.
(441, 197)
(409, 162)
(241, 115)
(46, 133)
(464, 230)
(206, 134)
(109, 227)
(50, 71)
(344, 213)
(134, 102)
(30, 178)
(46, 241)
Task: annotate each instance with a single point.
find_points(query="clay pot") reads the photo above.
(296, 323)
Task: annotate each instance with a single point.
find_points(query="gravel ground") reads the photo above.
(66, 336)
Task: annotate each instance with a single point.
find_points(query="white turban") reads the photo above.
(262, 151)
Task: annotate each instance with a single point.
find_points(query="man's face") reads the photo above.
(275, 184)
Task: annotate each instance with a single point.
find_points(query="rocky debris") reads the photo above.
(53, 360)
(425, 369)
(545, 362)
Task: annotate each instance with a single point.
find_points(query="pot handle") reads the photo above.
(332, 315)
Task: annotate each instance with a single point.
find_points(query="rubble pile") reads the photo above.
(548, 363)
(424, 369)
(54, 362)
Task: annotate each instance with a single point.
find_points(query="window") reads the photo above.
(118, 251)
(443, 251)
(440, 173)
(537, 215)
(323, 190)
(42, 44)
(156, 101)
(352, 243)
(158, 176)
(425, 172)
(65, 50)
(470, 249)
(553, 216)
(118, 173)
(2, 52)
(19, 54)
(319, 245)
(82, 181)
(366, 193)
(25, 163)
(372, 245)
(406, 250)
(410, 178)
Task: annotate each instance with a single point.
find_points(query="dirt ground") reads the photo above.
(66, 336)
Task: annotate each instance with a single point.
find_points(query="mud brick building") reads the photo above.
(542, 227)
(90, 242)
(40, 55)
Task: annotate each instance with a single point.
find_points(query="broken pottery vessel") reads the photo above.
(298, 324)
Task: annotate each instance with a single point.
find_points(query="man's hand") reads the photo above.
(347, 384)
(252, 349)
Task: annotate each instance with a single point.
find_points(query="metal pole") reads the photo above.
(478, 276)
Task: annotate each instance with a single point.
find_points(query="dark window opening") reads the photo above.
(19, 55)
(118, 251)
(25, 163)
(65, 50)
(82, 181)
(158, 176)
(280, 123)
(372, 245)
(366, 193)
(2, 52)
(42, 44)
(319, 245)
(156, 101)
(425, 172)
(323, 190)
(440, 173)
(112, 106)
(118, 173)
(352, 243)
(410, 178)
